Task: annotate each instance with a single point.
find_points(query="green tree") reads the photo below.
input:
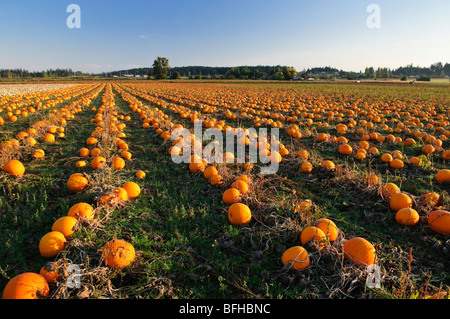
(175, 75)
(289, 73)
(161, 68)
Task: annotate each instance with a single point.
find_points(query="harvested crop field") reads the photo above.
(361, 191)
(26, 88)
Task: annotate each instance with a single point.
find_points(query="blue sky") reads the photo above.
(118, 35)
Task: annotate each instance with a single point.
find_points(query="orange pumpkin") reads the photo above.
(297, 257)
(84, 152)
(389, 189)
(231, 195)
(77, 182)
(65, 225)
(397, 163)
(328, 164)
(439, 221)
(209, 172)
(118, 253)
(313, 233)
(98, 162)
(50, 272)
(399, 201)
(407, 216)
(140, 174)
(345, 149)
(26, 286)
(51, 244)
(306, 167)
(118, 163)
(328, 227)
(120, 194)
(239, 214)
(133, 190)
(81, 210)
(14, 167)
(443, 176)
(39, 153)
(241, 185)
(359, 251)
(216, 180)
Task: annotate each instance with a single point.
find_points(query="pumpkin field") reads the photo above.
(92, 204)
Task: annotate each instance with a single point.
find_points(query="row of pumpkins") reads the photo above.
(115, 253)
(22, 105)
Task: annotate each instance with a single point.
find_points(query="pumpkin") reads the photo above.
(77, 182)
(345, 149)
(126, 155)
(216, 180)
(313, 233)
(50, 272)
(120, 194)
(386, 158)
(133, 190)
(14, 167)
(359, 251)
(91, 141)
(407, 216)
(39, 153)
(66, 225)
(389, 189)
(443, 176)
(306, 167)
(241, 185)
(49, 137)
(397, 163)
(140, 174)
(414, 160)
(239, 214)
(429, 199)
(118, 253)
(209, 172)
(84, 152)
(95, 152)
(328, 227)
(439, 221)
(303, 154)
(428, 149)
(399, 201)
(51, 244)
(98, 162)
(118, 163)
(297, 257)
(197, 167)
(81, 210)
(26, 286)
(231, 195)
(327, 164)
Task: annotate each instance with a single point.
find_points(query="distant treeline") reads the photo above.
(436, 70)
(259, 72)
(50, 73)
(199, 72)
